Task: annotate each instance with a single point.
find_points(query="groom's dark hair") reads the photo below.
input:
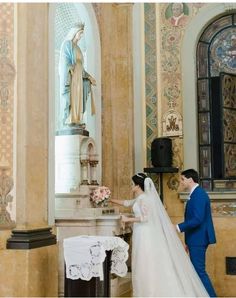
(191, 173)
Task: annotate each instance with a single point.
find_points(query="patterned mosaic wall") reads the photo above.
(173, 19)
(7, 74)
(150, 76)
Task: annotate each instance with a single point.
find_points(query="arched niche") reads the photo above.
(89, 160)
(190, 40)
(85, 13)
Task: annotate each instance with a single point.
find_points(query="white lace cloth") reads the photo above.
(84, 256)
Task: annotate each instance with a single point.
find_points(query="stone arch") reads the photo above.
(88, 148)
(89, 162)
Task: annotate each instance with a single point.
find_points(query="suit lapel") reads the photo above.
(187, 204)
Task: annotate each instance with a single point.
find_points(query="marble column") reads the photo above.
(24, 271)
(115, 21)
(32, 114)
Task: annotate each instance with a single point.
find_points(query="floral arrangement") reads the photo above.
(100, 196)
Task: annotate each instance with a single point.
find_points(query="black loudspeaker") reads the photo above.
(161, 152)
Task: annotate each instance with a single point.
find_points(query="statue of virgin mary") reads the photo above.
(75, 82)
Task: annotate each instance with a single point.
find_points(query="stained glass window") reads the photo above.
(203, 95)
(205, 160)
(215, 27)
(216, 57)
(203, 60)
(223, 52)
(204, 128)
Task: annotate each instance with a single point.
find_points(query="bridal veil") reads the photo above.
(168, 252)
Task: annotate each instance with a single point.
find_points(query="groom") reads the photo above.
(197, 226)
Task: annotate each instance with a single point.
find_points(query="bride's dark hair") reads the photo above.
(138, 179)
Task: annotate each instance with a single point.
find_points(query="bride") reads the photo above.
(160, 265)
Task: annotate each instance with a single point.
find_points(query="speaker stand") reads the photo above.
(161, 171)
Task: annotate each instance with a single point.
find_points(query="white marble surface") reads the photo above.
(87, 213)
(214, 195)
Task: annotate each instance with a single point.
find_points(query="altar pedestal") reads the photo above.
(89, 261)
(92, 288)
(91, 221)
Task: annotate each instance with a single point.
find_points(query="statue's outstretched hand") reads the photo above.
(92, 80)
(71, 70)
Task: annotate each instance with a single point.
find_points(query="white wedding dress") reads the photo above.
(160, 265)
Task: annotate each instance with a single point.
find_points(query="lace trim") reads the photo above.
(84, 256)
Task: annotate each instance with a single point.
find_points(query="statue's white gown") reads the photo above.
(160, 265)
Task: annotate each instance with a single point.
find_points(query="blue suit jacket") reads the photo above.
(198, 225)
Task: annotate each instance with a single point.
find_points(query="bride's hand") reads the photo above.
(122, 225)
(113, 201)
(186, 249)
(124, 218)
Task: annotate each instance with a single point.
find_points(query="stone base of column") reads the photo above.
(32, 238)
(29, 272)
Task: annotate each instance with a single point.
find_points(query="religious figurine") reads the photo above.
(75, 82)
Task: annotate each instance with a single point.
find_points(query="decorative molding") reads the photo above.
(88, 148)
(224, 185)
(172, 124)
(31, 238)
(122, 4)
(222, 204)
(150, 75)
(8, 72)
(6, 185)
(177, 154)
(226, 209)
(173, 182)
(227, 196)
(229, 6)
(7, 76)
(72, 131)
